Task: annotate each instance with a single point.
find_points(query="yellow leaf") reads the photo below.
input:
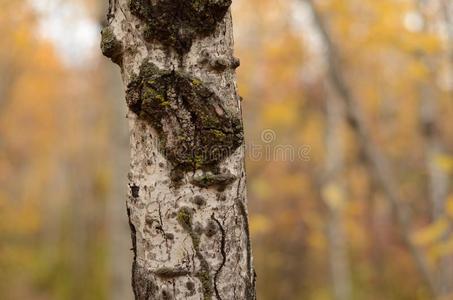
(261, 188)
(431, 233)
(333, 195)
(449, 206)
(317, 240)
(259, 224)
(444, 162)
(283, 113)
(441, 250)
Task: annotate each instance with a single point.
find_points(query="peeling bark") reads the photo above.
(187, 198)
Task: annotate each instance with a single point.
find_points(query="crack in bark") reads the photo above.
(222, 250)
(137, 271)
(174, 287)
(250, 272)
(161, 228)
(133, 234)
(111, 10)
(184, 217)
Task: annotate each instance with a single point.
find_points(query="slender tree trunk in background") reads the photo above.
(438, 179)
(334, 197)
(429, 115)
(434, 149)
(379, 166)
(187, 199)
(447, 10)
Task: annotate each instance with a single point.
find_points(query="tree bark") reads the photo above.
(187, 198)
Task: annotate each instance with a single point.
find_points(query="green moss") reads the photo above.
(199, 131)
(184, 218)
(206, 283)
(165, 104)
(218, 134)
(198, 160)
(151, 93)
(110, 46)
(176, 23)
(214, 180)
(171, 272)
(196, 81)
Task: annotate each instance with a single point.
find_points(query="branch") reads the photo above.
(447, 10)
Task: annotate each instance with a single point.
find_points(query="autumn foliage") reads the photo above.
(60, 145)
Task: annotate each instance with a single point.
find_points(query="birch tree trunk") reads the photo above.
(438, 178)
(187, 198)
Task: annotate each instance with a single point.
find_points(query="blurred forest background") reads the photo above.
(367, 85)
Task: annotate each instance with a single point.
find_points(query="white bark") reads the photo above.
(188, 215)
(334, 197)
(438, 178)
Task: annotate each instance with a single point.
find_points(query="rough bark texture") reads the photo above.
(187, 199)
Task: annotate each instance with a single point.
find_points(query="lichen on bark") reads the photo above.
(111, 47)
(195, 130)
(184, 217)
(219, 181)
(176, 23)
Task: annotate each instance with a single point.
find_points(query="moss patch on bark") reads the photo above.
(176, 23)
(185, 219)
(195, 130)
(111, 47)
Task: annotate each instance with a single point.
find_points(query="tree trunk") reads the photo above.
(187, 199)
(333, 192)
(438, 178)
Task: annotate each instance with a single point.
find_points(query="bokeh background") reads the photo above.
(333, 225)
